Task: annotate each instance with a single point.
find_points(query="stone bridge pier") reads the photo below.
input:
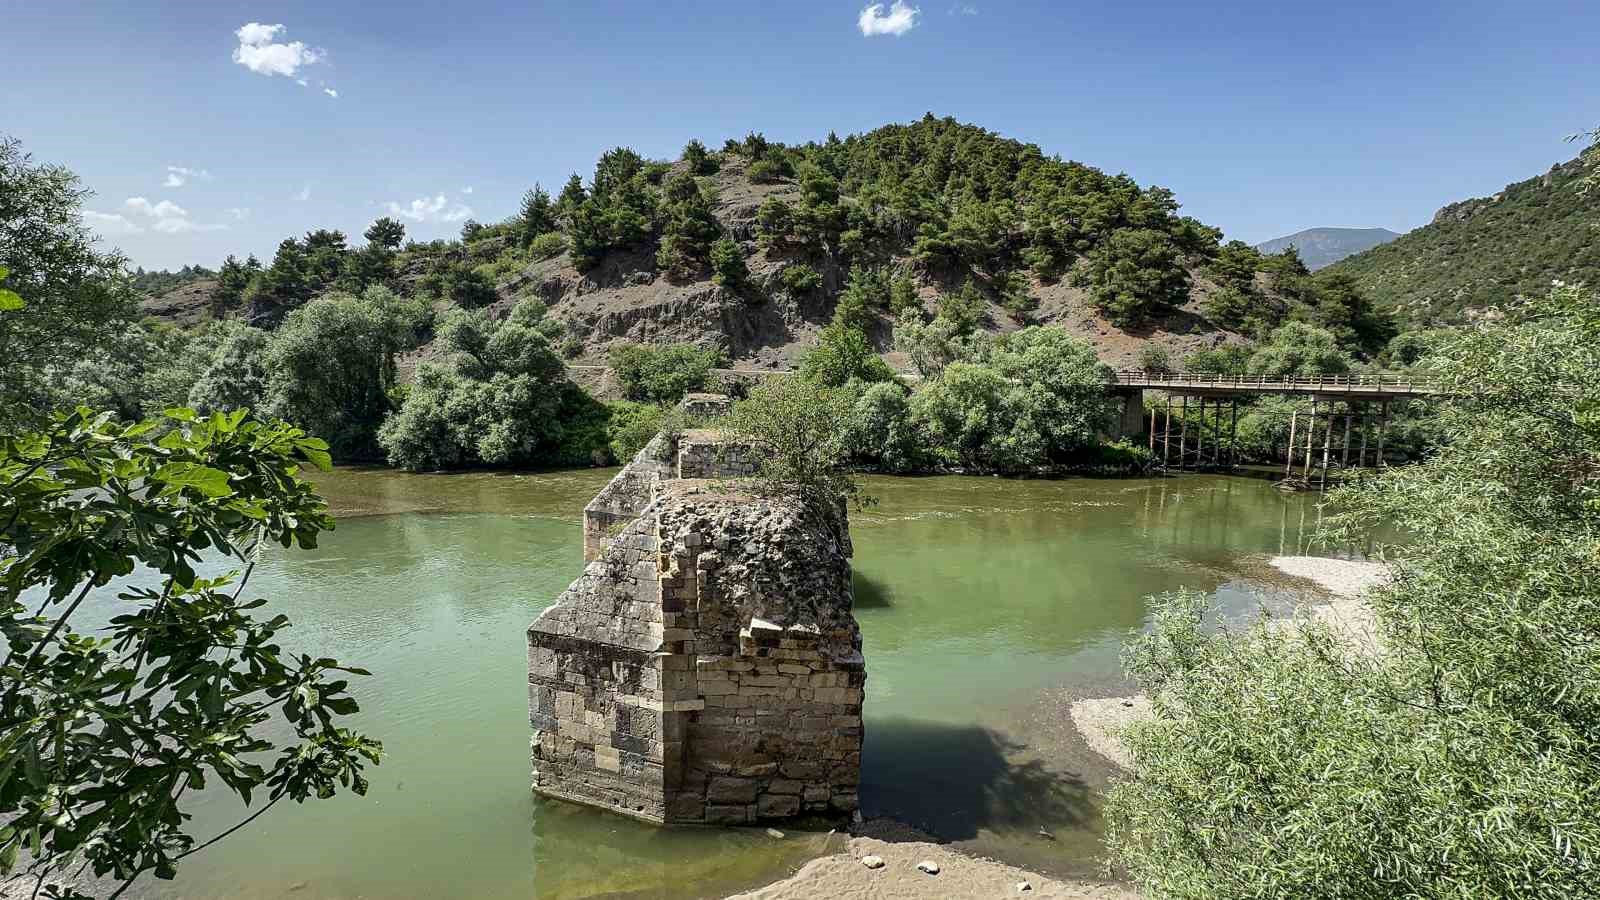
(706, 666)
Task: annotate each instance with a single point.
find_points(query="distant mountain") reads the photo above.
(1487, 251)
(1320, 247)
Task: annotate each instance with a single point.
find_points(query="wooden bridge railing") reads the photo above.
(1376, 384)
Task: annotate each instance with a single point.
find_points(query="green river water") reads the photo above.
(986, 606)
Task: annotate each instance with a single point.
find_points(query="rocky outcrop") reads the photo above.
(706, 667)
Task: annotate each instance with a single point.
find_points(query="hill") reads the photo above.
(755, 248)
(1484, 251)
(1321, 247)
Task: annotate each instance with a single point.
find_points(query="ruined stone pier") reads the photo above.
(706, 666)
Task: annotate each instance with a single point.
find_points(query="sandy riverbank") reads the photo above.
(843, 876)
(1339, 605)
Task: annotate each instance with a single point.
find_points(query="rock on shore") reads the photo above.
(843, 877)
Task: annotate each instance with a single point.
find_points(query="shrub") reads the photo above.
(765, 171)
(630, 426)
(1299, 349)
(1134, 272)
(965, 308)
(700, 161)
(497, 396)
(882, 429)
(727, 264)
(797, 425)
(801, 278)
(548, 245)
(663, 373)
(1155, 358)
(1463, 759)
(843, 354)
(1232, 359)
(774, 222)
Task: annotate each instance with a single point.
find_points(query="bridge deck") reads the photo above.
(1373, 387)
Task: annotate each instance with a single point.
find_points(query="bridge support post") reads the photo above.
(1288, 453)
(1131, 421)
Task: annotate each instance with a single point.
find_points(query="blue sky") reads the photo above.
(1263, 117)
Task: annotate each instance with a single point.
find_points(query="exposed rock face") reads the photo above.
(706, 667)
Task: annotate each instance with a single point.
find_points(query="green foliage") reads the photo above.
(800, 278)
(1463, 760)
(934, 345)
(104, 732)
(548, 245)
(882, 430)
(1299, 349)
(1134, 273)
(843, 354)
(73, 296)
(765, 171)
(1230, 359)
(235, 373)
(1343, 309)
(965, 308)
(866, 291)
(11, 301)
(1015, 293)
(386, 233)
(727, 264)
(330, 366)
(1155, 358)
(689, 230)
(700, 161)
(1476, 253)
(1038, 397)
(663, 373)
(499, 395)
(775, 222)
(154, 284)
(629, 426)
(805, 452)
(537, 216)
(232, 280)
(903, 296)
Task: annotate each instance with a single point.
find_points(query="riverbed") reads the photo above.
(986, 606)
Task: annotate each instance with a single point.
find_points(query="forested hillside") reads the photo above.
(1005, 278)
(1484, 251)
(749, 249)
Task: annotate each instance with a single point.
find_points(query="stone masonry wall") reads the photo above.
(706, 667)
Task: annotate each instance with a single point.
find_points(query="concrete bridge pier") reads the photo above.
(1130, 424)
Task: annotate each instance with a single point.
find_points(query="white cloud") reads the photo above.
(466, 190)
(302, 82)
(430, 209)
(238, 213)
(178, 176)
(305, 193)
(258, 52)
(331, 93)
(167, 217)
(897, 21)
(966, 9)
(110, 224)
(163, 210)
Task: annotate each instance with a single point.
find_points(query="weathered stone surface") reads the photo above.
(706, 666)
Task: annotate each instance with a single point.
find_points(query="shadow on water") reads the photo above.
(956, 781)
(870, 594)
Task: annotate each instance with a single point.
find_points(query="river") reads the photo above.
(985, 604)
